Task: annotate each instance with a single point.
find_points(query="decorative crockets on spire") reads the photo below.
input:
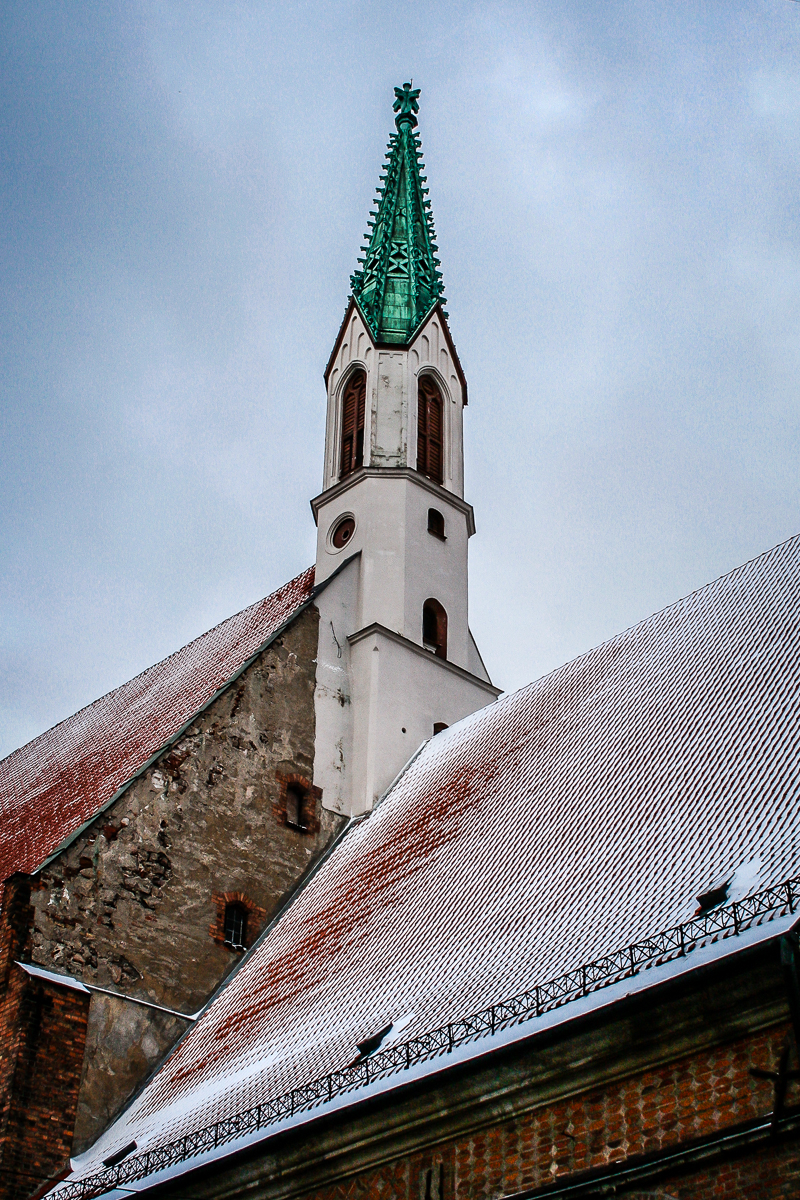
(400, 280)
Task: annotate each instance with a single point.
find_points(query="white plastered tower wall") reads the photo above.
(379, 691)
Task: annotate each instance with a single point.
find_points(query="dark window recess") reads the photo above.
(118, 1155)
(295, 806)
(436, 523)
(235, 925)
(430, 417)
(714, 896)
(434, 628)
(343, 532)
(353, 402)
(434, 1183)
(371, 1044)
(439, 727)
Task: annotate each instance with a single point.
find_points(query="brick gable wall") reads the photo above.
(42, 1040)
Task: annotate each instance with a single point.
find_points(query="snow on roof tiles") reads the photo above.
(578, 815)
(50, 786)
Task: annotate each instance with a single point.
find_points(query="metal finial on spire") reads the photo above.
(406, 105)
(399, 280)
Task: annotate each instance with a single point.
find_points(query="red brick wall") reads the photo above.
(42, 1038)
(661, 1108)
(772, 1175)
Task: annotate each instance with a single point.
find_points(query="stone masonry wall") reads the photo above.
(133, 905)
(659, 1108)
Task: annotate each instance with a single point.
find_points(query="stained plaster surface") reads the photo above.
(578, 815)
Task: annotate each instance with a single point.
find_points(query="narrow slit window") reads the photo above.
(434, 628)
(436, 523)
(353, 405)
(295, 806)
(235, 925)
(430, 420)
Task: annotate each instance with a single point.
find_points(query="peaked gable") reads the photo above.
(50, 787)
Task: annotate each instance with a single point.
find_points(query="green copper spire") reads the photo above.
(400, 280)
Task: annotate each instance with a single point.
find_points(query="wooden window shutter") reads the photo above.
(430, 450)
(353, 406)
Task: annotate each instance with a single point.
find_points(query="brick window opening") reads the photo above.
(430, 418)
(353, 404)
(238, 920)
(295, 807)
(434, 628)
(436, 523)
(298, 804)
(235, 926)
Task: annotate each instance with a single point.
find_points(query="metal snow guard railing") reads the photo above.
(672, 943)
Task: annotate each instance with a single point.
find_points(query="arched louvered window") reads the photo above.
(430, 439)
(353, 402)
(434, 628)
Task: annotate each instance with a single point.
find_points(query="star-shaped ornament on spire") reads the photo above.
(406, 105)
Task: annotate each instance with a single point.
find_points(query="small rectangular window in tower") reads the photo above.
(436, 523)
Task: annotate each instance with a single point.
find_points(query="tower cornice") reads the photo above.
(428, 485)
(375, 628)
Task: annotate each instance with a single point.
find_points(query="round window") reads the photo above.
(343, 532)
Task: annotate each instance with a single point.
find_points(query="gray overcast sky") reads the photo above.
(184, 190)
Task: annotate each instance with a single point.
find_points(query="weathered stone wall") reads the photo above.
(133, 903)
(124, 1043)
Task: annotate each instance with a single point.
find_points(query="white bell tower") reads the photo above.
(396, 660)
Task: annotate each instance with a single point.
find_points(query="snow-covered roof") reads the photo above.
(52, 785)
(580, 816)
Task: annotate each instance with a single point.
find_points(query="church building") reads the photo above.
(311, 910)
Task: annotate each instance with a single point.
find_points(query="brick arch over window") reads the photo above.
(434, 628)
(254, 916)
(353, 408)
(430, 429)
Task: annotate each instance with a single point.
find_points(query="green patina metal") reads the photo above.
(400, 280)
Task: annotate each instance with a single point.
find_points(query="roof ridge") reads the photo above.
(160, 662)
(644, 620)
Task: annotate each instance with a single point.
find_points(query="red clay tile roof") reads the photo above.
(50, 786)
(578, 815)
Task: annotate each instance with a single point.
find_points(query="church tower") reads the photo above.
(397, 662)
